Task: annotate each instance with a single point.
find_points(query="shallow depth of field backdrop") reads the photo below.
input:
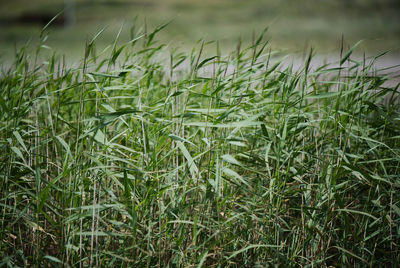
(294, 25)
(199, 144)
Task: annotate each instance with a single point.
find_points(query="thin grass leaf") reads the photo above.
(18, 152)
(349, 52)
(250, 247)
(356, 212)
(187, 222)
(20, 140)
(177, 138)
(194, 171)
(53, 259)
(233, 174)
(351, 254)
(230, 159)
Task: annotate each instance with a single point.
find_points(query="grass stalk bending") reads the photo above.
(152, 157)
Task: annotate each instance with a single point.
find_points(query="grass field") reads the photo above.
(146, 156)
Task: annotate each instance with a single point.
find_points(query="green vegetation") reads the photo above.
(142, 155)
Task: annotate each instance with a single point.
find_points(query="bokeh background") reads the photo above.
(294, 25)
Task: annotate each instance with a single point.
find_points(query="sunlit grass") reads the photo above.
(142, 155)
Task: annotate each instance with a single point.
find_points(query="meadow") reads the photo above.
(143, 155)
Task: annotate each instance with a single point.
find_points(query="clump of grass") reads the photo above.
(145, 156)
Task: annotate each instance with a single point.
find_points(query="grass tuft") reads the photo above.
(152, 157)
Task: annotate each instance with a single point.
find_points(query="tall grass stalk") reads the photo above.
(153, 157)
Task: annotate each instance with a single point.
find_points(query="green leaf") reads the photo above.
(323, 95)
(238, 143)
(356, 212)
(100, 233)
(351, 254)
(230, 173)
(250, 247)
(152, 34)
(65, 145)
(116, 55)
(396, 209)
(186, 222)
(201, 64)
(203, 258)
(177, 138)
(239, 124)
(104, 75)
(18, 152)
(100, 137)
(53, 259)
(230, 159)
(194, 171)
(348, 54)
(20, 140)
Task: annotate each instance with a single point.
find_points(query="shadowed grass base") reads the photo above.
(145, 156)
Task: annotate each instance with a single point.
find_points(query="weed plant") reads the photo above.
(145, 156)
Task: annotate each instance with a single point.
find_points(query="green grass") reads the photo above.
(142, 155)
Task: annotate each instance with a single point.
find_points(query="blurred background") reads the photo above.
(294, 25)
